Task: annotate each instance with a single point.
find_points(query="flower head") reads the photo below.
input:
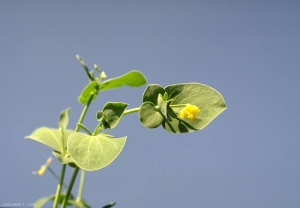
(42, 170)
(190, 111)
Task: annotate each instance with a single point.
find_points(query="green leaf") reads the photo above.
(89, 90)
(150, 116)
(42, 201)
(162, 105)
(112, 113)
(99, 115)
(151, 93)
(208, 100)
(64, 118)
(133, 79)
(51, 137)
(94, 152)
(63, 159)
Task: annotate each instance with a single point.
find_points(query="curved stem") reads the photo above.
(84, 128)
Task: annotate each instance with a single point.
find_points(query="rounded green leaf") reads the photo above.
(99, 115)
(112, 112)
(133, 79)
(208, 100)
(51, 137)
(150, 116)
(89, 90)
(94, 152)
(151, 93)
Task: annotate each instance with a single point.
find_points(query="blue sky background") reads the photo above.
(247, 50)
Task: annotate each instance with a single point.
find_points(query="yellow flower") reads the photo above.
(190, 111)
(43, 168)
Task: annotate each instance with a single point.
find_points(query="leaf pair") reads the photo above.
(54, 138)
(88, 152)
(162, 106)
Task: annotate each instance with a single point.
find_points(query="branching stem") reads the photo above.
(86, 107)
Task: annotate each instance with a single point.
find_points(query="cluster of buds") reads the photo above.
(190, 111)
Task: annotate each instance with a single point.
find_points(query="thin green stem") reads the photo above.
(133, 110)
(59, 186)
(82, 116)
(70, 187)
(84, 128)
(55, 175)
(86, 107)
(98, 128)
(62, 140)
(81, 186)
(85, 67)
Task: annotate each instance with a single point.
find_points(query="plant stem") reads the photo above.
(56, 176)
(82, 116)
(70, 187)
(86, 107)
(59, 186)
(81, 186)
(133, 110)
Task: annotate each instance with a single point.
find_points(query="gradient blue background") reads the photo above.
(247, 50)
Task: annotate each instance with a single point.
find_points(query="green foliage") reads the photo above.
(51, 137)
(111, 114)
(94, 152)
(64, 119)
(165, 109)
(178, 108)
(151, 93)
(89, 90)
(133, 78)
(150, 116)
(64, 159)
